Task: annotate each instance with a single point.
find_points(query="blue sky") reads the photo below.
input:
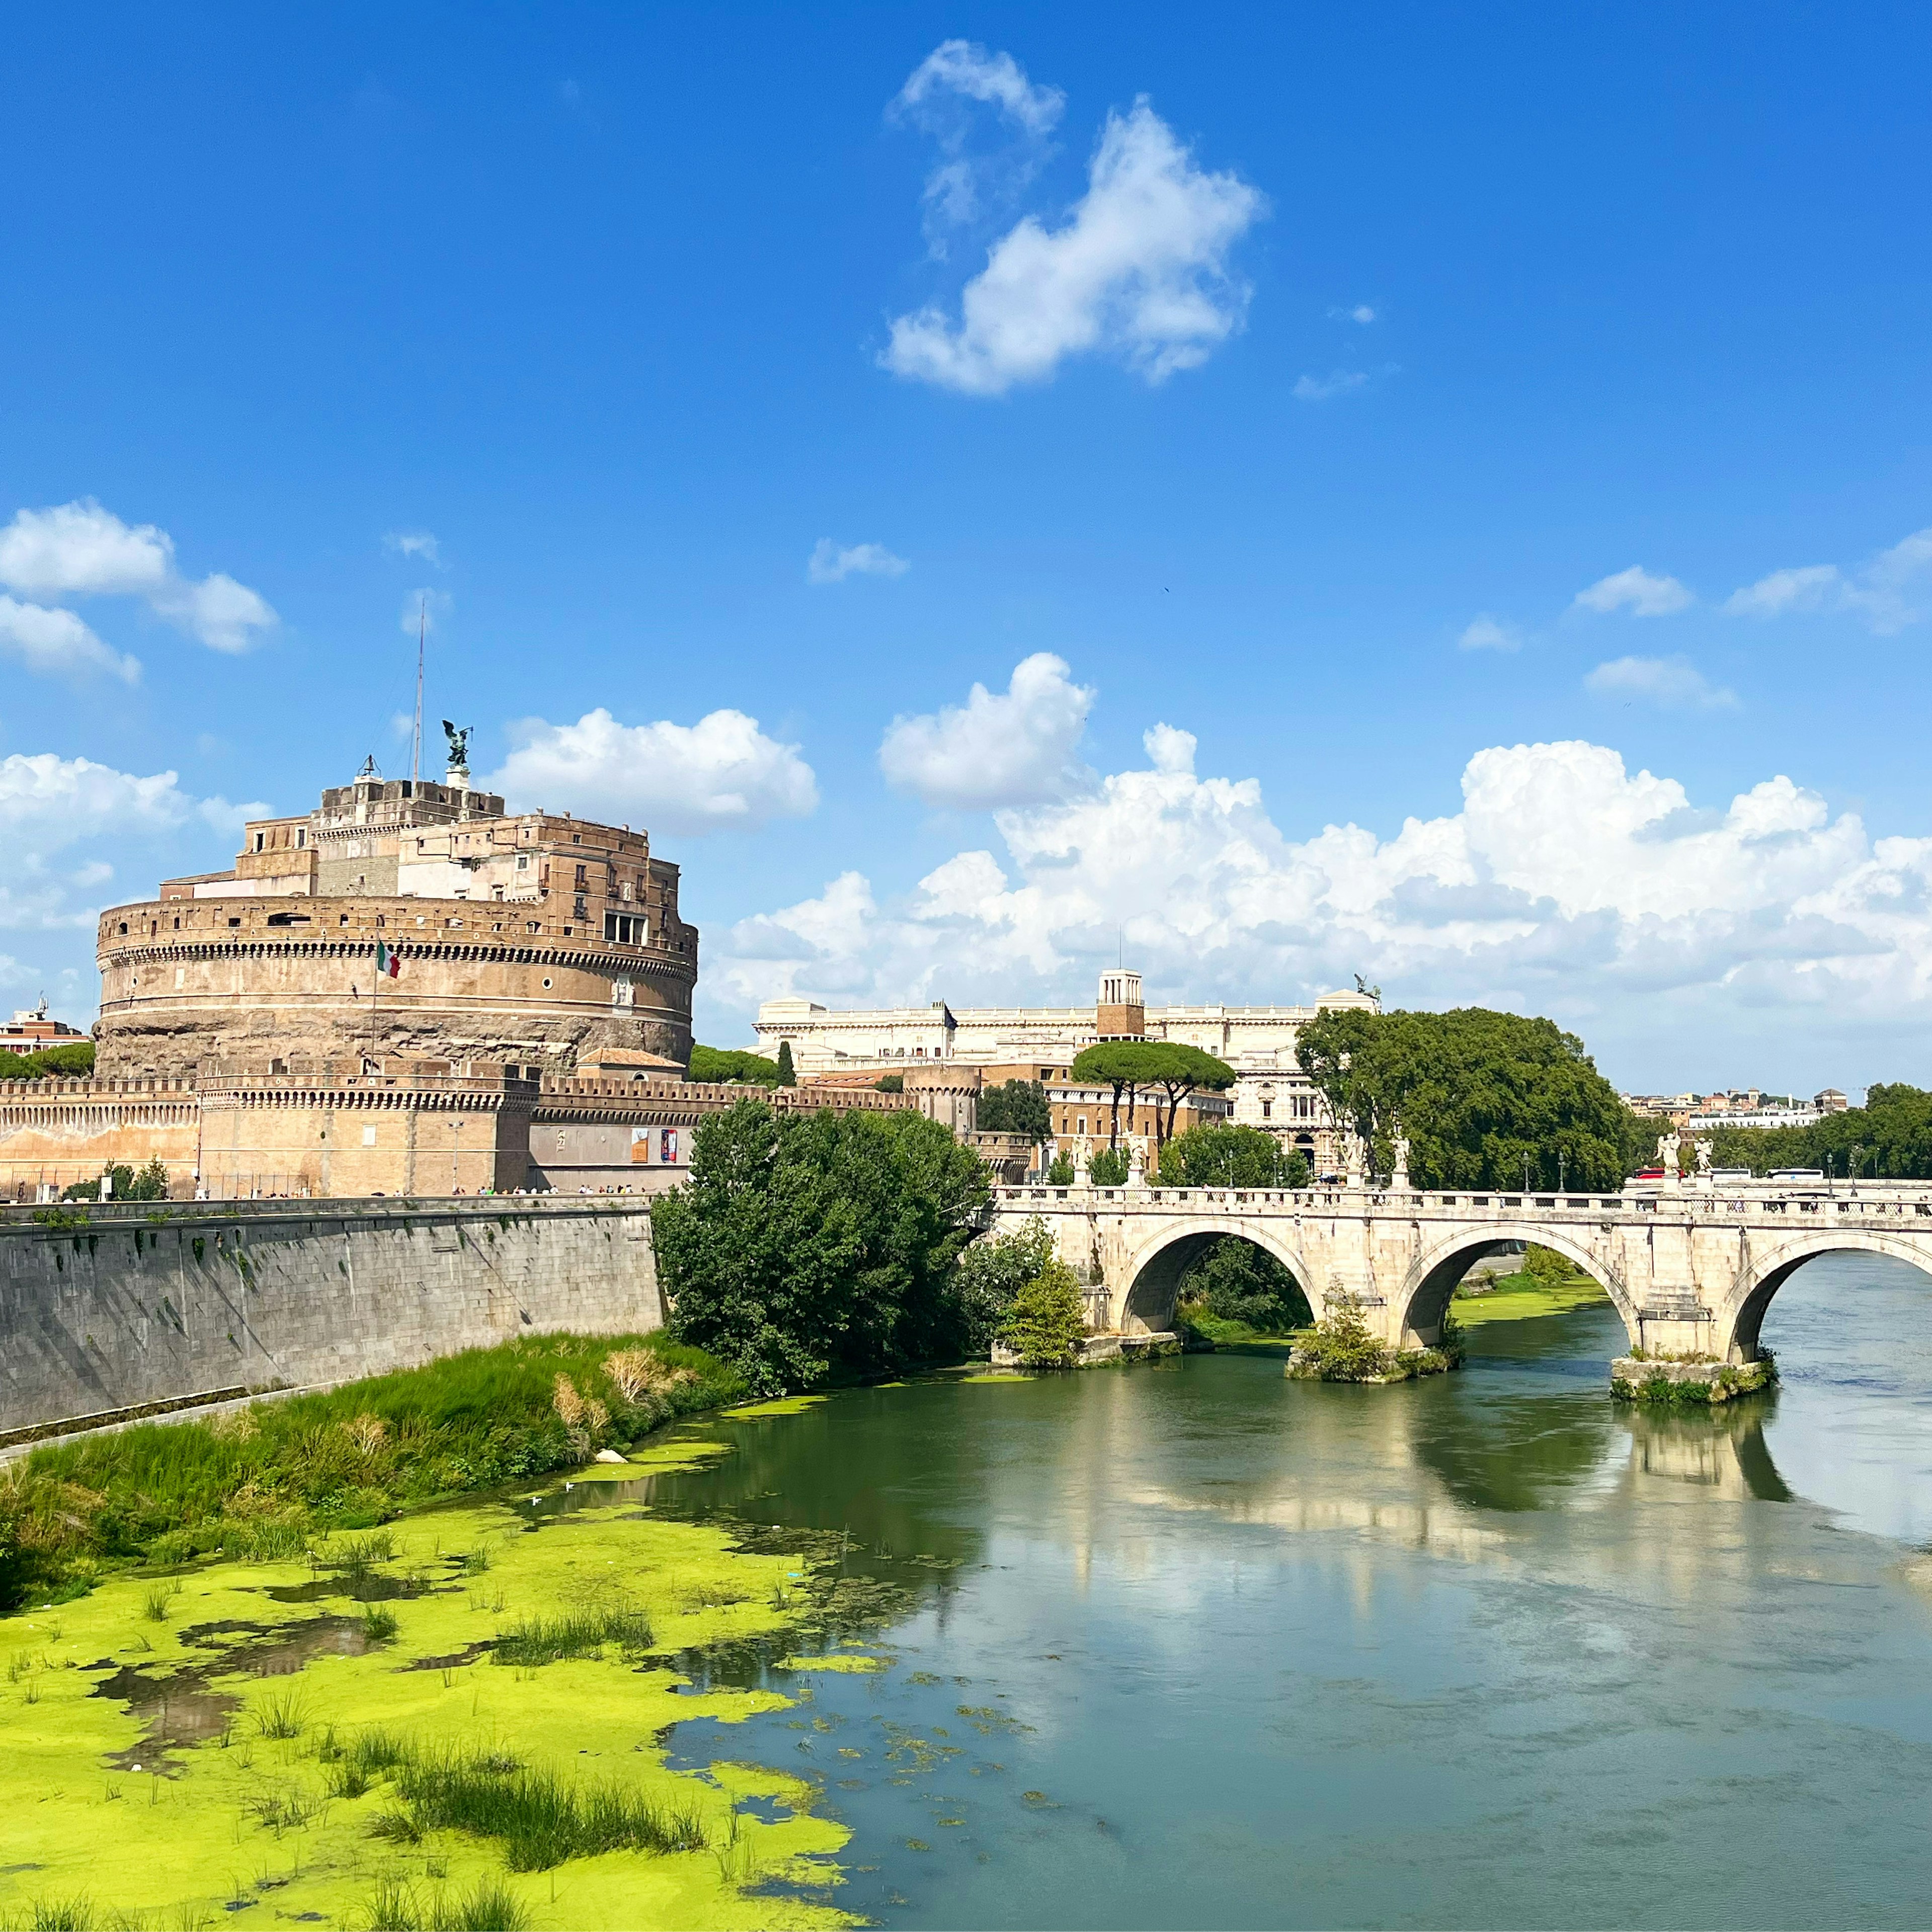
(1513, 423)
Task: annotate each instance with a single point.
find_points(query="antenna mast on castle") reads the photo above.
(416, 745)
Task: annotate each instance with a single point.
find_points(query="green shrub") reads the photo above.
(1108, 1167)
(1222, 1154)
(992, 1273)
(1059, 1171)
(1048, 1317)
(1341, 1348)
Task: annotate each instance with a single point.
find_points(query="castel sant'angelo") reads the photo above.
(523, 938)
(409, 990)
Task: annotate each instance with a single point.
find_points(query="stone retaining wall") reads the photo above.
(130, 1311)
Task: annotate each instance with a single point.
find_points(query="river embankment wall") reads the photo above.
(137, 1309)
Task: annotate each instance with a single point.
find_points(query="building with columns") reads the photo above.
(1041, 1042)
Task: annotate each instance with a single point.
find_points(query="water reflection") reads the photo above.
(1488, 1649)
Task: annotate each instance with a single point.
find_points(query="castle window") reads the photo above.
(260, 841)
(536, 926)
(582, 877)
(546, 985)
(124, 926)
(301, 837)
(625, 929)
(577, 838)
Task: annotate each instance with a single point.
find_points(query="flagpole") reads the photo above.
(415, 750)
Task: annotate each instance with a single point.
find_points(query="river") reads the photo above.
(1193, 1644)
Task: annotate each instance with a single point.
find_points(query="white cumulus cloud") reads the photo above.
(81, 550)
(46, 640)
(1361, 313)
(1139, 270)
(1887, 593)
(51, 805)
(830, 562)
(721, 774)
(1337, 383)
(1484, 633)
(1017, 747)
(414, 543)
(961, 68)
(1637, 591)
(1805, 588)
(969, 181)
(1671, 683)
(1663, 930)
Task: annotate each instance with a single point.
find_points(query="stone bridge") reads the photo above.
(1690, 1271)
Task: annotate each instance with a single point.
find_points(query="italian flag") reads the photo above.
(386, 961)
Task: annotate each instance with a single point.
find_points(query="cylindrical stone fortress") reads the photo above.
(528, 939)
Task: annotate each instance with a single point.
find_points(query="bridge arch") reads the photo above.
(1740, 1316)
(1432, 1276)
(1153, 1271)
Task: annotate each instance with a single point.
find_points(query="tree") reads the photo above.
(890, 1083)
(808, 1243)
(1016, 1107)
(1048, 1317)
(1059, 1171)
(1238, 1281)
(1224, 1154)
(1474, 1093)
(1120, 1064)
(991, 1274)
(1179, 1071)
(1108, 1167)
(75, 1062)
(1890, 1138)
(733, 1065)
(787, 1077)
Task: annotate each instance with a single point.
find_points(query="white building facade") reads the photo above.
(1272, 1092)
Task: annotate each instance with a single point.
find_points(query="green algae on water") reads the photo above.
(303, 1790)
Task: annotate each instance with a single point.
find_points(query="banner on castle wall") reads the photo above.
(656, 1147)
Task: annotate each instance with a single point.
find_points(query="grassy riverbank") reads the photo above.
(258, 1483)
(1516, 1296)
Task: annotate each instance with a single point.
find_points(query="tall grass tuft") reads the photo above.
(280, 1715)
(541, 1818)
(156, 1604)
(62, 1915)
(489, 1905)
(379, 1625)
(532, 1641)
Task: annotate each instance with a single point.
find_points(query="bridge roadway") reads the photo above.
(1691, 1271)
